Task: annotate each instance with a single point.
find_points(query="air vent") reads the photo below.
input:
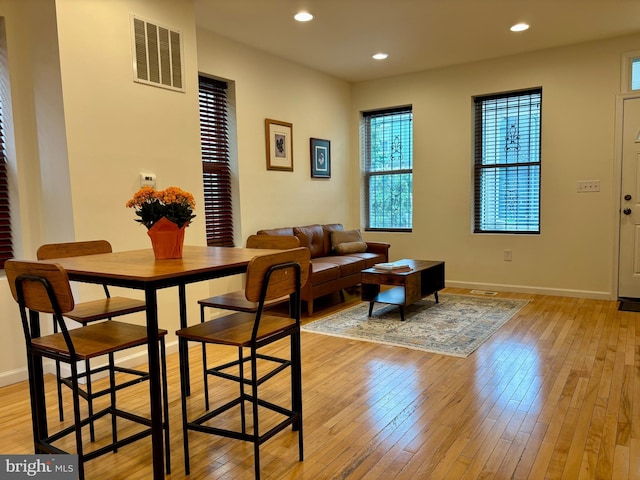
(157, 55)
(483, 292)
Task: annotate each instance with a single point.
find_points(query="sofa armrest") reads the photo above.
(380, 248)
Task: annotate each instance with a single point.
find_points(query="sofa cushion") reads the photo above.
(312, 237)
(348, 264)
(322, 272)
(370, 259)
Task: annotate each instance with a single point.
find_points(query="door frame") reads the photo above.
(617, 183)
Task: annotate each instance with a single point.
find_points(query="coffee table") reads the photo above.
(426, 277)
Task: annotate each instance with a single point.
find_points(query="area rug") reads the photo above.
(455, 326)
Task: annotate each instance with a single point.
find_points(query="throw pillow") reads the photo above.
(347, 237)
(350, 247)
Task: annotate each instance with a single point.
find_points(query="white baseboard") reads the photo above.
(556, 292)
(13, 376)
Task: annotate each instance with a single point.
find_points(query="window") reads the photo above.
(388, 169)
(216, 171)
(635, 74)
(507, 163)
(6, 243)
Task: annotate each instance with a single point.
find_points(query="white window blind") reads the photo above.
(507, 163)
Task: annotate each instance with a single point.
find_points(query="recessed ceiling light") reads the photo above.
(303, 16)
(519, 27)
(380, 56)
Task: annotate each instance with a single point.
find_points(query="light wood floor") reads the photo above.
(555, 393)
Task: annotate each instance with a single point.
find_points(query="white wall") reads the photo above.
(574, 254)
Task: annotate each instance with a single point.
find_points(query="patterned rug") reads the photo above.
(456, 326)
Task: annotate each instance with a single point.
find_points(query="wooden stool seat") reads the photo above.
(96, 339)
(237, 301)
(111, 307)
(235, 329)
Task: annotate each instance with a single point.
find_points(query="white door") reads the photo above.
(629, 259)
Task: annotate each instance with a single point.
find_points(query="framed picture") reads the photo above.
(320, 158)
(279, 145)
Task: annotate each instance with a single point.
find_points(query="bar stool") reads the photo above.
(269, 276)
(40, 287)
(100, 309)
(237, 301)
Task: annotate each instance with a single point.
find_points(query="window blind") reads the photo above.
(216, 171)
(507, 163)
(6, 242)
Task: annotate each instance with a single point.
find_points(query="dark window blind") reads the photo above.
(6, 243)
(216, 172)
(388, 169)
(507, 163)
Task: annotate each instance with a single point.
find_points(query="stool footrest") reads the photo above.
(142, 376)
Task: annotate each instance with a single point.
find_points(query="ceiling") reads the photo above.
(417, 34)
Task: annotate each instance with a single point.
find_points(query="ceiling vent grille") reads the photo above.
(157, 54)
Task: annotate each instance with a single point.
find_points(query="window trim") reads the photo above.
(367, 174)
(478, 165)
(626, 79)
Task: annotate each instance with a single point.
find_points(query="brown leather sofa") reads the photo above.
(330, 271)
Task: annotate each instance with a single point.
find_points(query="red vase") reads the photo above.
(167, 239)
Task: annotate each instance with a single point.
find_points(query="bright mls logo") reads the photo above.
(50, 467)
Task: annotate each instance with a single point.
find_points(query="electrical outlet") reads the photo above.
(585, 186)
(507, 255)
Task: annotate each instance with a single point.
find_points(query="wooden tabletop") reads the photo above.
(140, 266)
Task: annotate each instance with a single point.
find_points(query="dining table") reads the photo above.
(138, 269)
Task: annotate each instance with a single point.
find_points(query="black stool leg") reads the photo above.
(112, 395)
(204, 364)
(59, 380)
(87, 370)
(182, 348)
(165, 401)
(76, 419)
(256, 431)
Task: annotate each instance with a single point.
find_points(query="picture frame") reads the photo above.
(320, 158)
(279, 136)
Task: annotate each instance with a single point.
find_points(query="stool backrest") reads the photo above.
(276, 242)
(39, 286)
(279, 271)
(73, 249)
